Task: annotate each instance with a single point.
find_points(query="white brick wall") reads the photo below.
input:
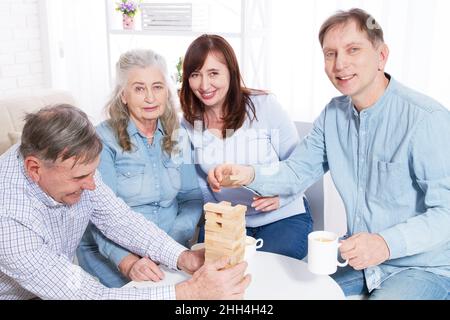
(21, 63)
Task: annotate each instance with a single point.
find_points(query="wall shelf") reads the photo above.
(223, 17)
(174, 33)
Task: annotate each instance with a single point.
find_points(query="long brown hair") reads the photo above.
(119, 115)
(238, 96)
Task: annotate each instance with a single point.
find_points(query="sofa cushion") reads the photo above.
(14, 137)
(14, 108)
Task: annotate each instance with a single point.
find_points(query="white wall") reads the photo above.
(416, 31)
(21, 62)
(74, 35)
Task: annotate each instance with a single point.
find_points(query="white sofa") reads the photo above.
(14, 108)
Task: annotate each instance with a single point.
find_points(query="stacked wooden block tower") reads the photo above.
(224, 231)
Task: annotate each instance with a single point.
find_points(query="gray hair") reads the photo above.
(60, 131)
(119, 116)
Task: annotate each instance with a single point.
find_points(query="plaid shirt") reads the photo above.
(38, 239)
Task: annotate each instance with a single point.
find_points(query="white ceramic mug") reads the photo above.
(323, 252)
(251, 244)
(198, 246)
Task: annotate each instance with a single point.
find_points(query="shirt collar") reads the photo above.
(35, 190)
(43, 197)
(377, 106)
(133, 130)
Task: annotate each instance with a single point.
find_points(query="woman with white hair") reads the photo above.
(136, 164)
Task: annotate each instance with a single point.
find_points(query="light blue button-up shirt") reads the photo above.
(271, 137)
(164, 191)
(391, 166)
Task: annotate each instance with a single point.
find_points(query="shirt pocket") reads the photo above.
(388, 181)
(130, 179)
(172, 170)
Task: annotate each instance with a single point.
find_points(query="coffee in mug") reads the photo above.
(323, 252)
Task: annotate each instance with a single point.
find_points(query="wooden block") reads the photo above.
(225, 209)
(225, 222)
(237, 215)
(229, 180)
(227, 249)
(222, 207)
(232, 235)
(223, 225)
(219, 253)
(235, 257)
(210, 216)
(211, 257)
(228, 230)
(238, 257)
(215, 225)
(225, 245)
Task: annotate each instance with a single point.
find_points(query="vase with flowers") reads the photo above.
(128, 9)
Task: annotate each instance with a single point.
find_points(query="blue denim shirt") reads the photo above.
(391, 166)
(164, 191)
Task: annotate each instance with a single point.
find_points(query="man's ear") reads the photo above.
(383, 56)
(33, 166)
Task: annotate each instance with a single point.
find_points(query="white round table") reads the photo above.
(274, 277)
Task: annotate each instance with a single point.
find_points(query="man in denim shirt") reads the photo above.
(388, 151)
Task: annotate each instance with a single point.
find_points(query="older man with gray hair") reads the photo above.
(49, 190)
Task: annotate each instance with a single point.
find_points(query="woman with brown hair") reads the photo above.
(228, 122)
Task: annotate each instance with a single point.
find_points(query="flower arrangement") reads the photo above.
(128, 7)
